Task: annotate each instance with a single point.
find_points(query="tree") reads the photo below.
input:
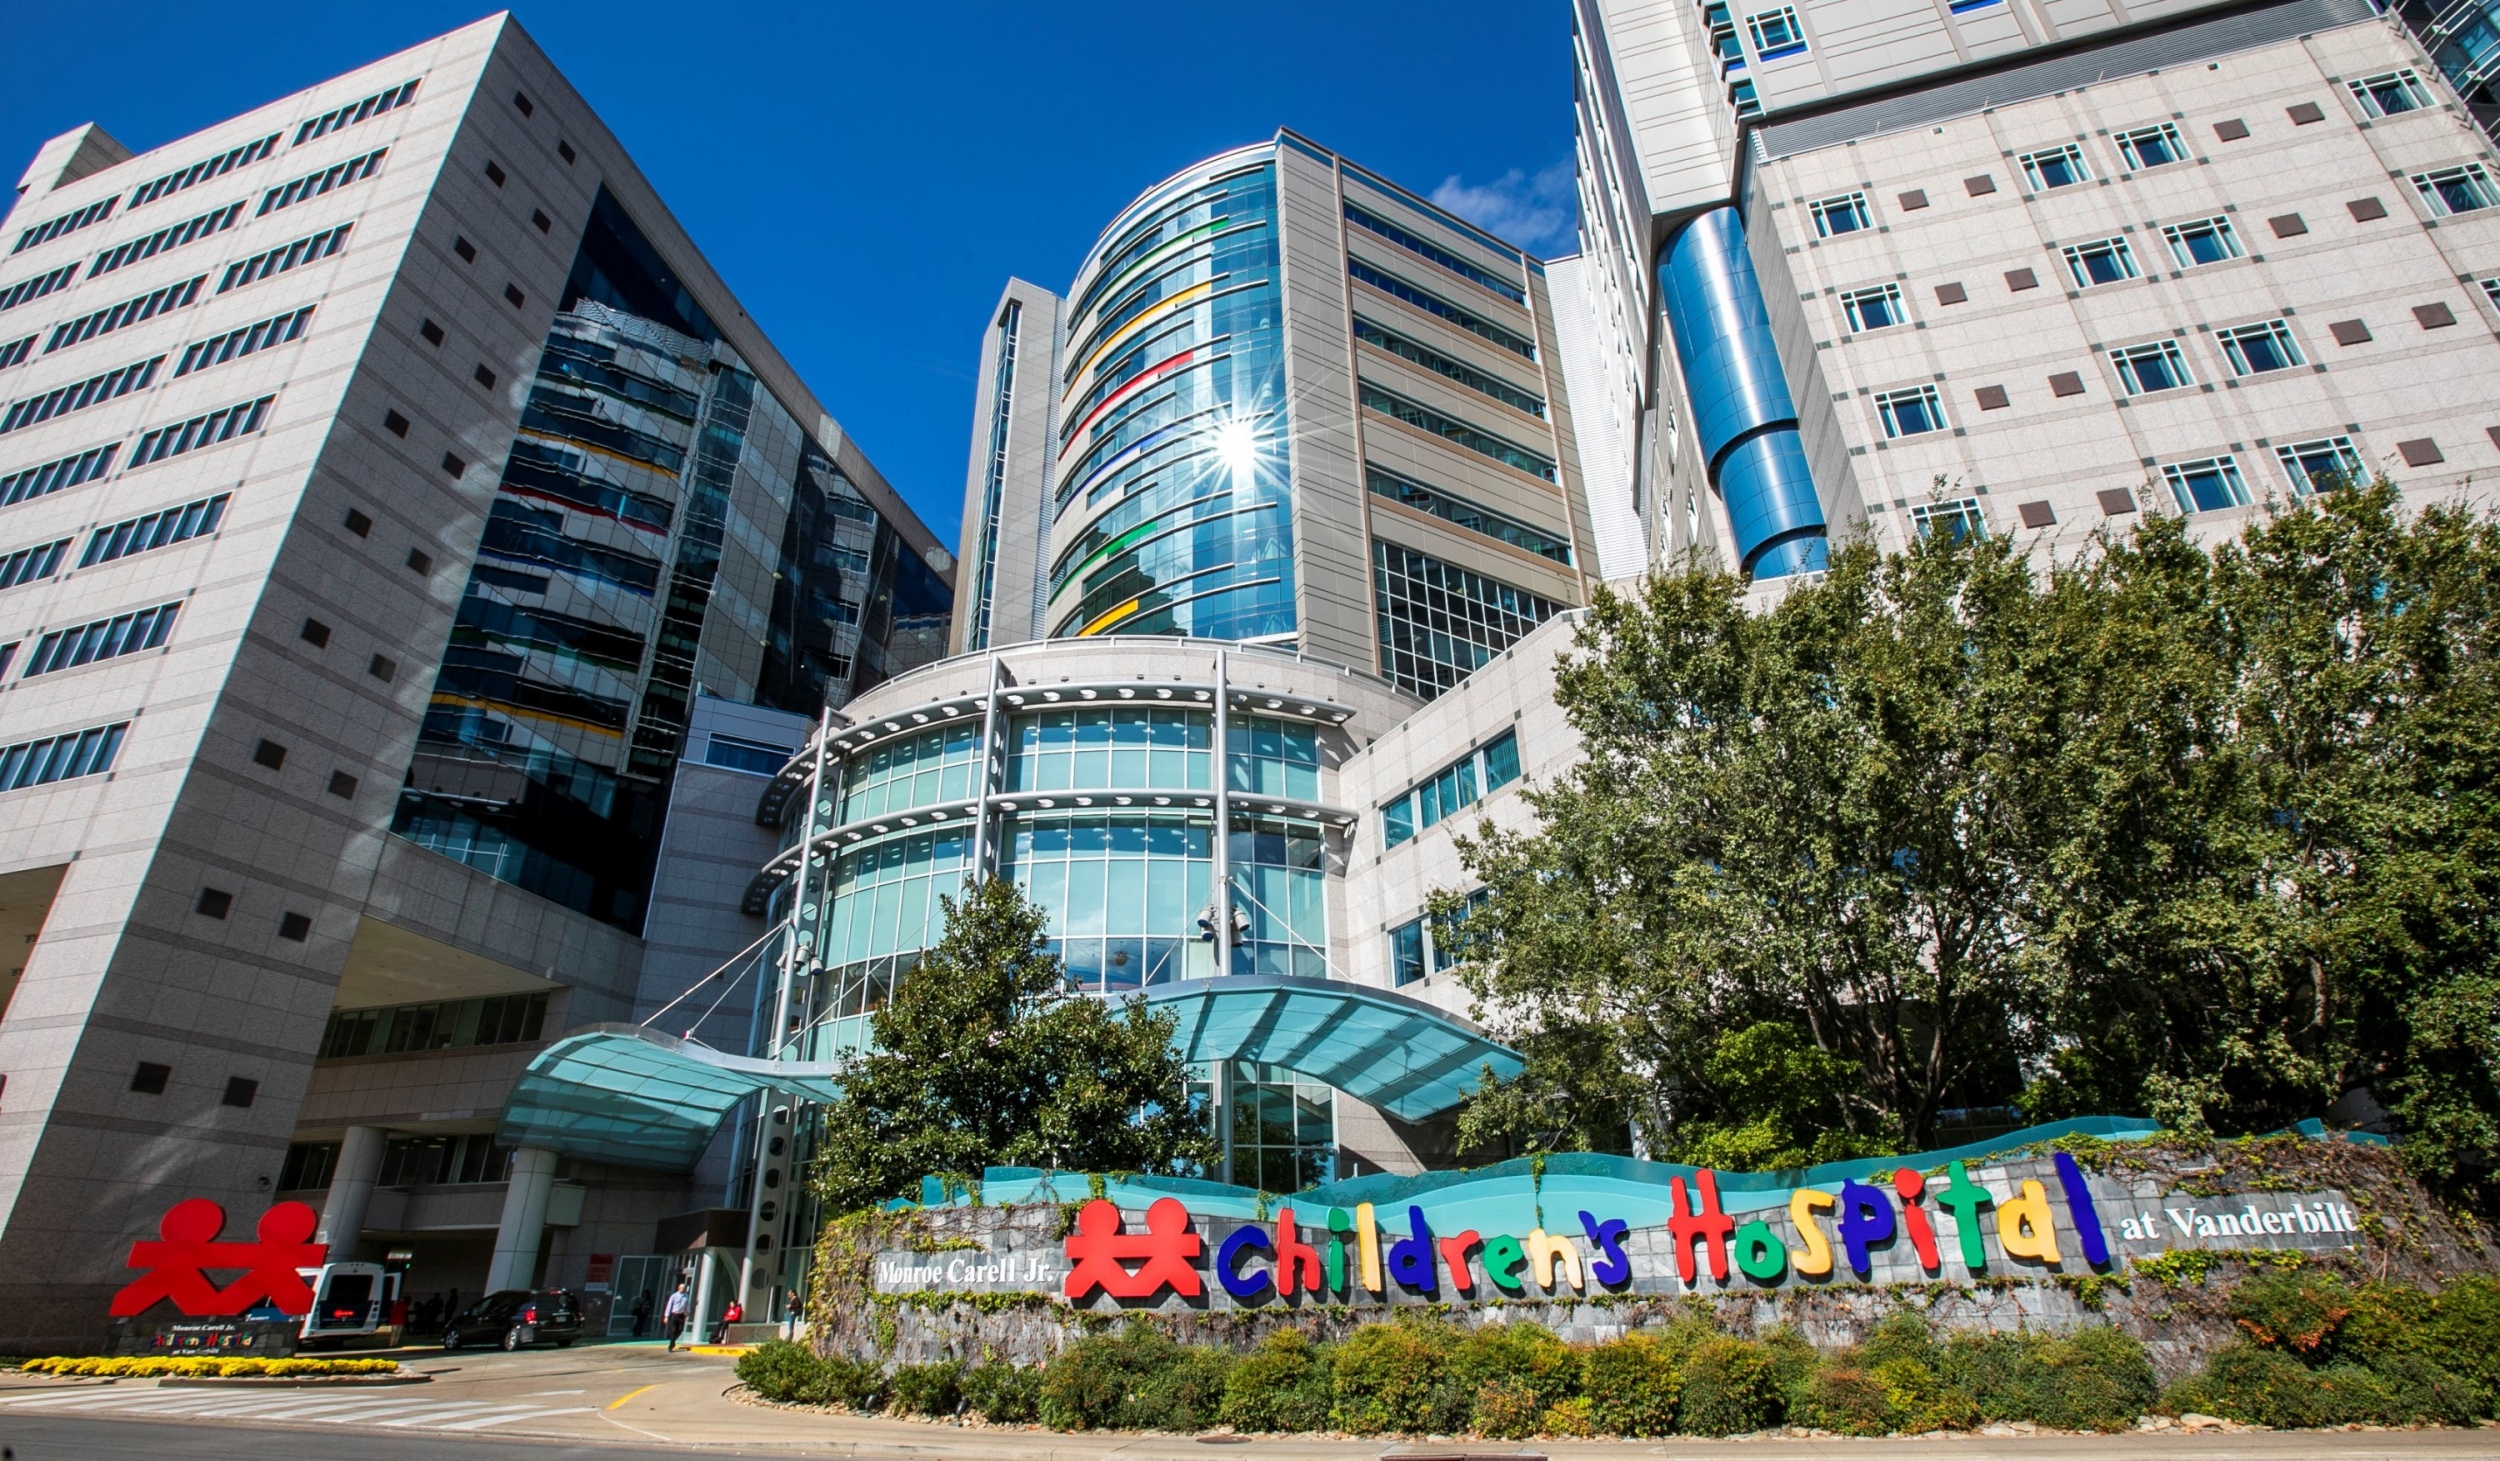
(2209, 833)
(984, 1057)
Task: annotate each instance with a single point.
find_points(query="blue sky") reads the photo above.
(867, 176)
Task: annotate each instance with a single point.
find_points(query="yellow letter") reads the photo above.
(1369, 1233)
(2024, 1227)
(1815, 1259)
(1549, 1251)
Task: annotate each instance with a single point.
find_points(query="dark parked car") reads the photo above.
(516, 1317)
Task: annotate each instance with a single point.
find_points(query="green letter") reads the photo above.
(1964, 1198)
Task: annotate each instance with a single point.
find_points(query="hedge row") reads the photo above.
(201, 1366)
(2316, 1352)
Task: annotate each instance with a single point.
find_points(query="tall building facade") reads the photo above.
(413, 563)
(2025, 268)
(1283, 402)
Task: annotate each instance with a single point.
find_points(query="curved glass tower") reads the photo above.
(1170, 490)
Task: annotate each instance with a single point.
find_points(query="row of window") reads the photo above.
(67, 223)
(117, 540)
(1460, 513)
(1439, 623)
(172, 236)
(17, 351)
(1460, 371)
(2445, 192)
(1429, 945)
(59, 758)
(1434, 305)
(103, 639)
(356, 111)
(129, 312)
(207, 429)
(313, 185)
(25, 291)
(235, 344)
(453, 1024)
(200, 172)
(79, 395)
(1455, 787)
(1450, 429)
(2154, 366)
(1416, 244)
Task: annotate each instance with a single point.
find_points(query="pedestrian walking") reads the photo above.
(673, 1316)
(642, 1314)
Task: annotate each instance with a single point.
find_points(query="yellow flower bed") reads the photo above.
(201, 1366)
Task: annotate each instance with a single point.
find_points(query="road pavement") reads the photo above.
(627, 1402)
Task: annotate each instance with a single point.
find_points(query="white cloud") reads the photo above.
(1540, 213)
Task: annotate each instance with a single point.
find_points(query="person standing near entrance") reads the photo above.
(673, 1317)
(642, 1313)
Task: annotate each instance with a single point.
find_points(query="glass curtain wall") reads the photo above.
(1173, 451)
(560, 710)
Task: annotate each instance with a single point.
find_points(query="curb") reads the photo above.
(285, 1382)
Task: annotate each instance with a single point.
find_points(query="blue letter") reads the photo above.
(1410, 1258)
(1241, 1239)
(1614, 1266)
(1865, 1219)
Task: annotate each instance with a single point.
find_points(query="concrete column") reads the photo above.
(515, 1264)
(351, 1190)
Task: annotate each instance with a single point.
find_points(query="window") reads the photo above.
(314, 633)
(741, 754)
(294, 927)
(2103, 261)
(278, 260)
(426, 1161)
(1742, 97)
(69, 471)
(2256, 349)
(1459, 512)
(128, 312)
(150, 1078)
(2205, 241)
(234, 344)
(214, 903)
(1268, 756)
(240, 1091)
(173, 236)
(31, 565)
(356, 111)
(200, 172)
(2385, 96)
(155, 530)
(308, 1166)
(523, 103)
(1433, 304)
(1455, 787)
(1436, 944)
(84, 644)
(16, 351)
(222, 424)
(2455, 189)
(61, 757)
(2321, 466)
(1457, 370)
(269, 754)
(2207, 486)
(1451, 430)
(2144, 369)
(1422, 247)
(2055, 167)
(1956, 520)
(27, 290)
(67, 223)
(111, 385)
(1406, 953)
(1913, 412)
(448, 1025)
(1873, 309)
(1836, 216)
(1777, 34)
(1053, 750)
(313, 185)
(2152, 147)
(1439, 623)
(495, 174)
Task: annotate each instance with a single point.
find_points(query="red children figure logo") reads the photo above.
(176, 1262)
(1167, 1252)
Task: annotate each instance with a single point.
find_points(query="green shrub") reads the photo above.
(1631, 1385)
(1184, 1395)
(930, 1389)
(848, 1382)
(2259, 1386)
(2464, 1329)
(1530, 1354)
(1002, 1394)
(1901, 1337)
(1731, 1387)
(1507, 1408)
(2295, 1311)
(2386, 1318)
(1793, 1359)
(2420, 1389)
(2094, 1379)
(1920, 1400)
(1845, 1400)
(1283, 1385)
(1387, 1377)
(1088, 1386)
(779, 1370)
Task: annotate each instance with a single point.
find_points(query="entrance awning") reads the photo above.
(637, 1098)
(1383, 1049)
(633, 1097)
